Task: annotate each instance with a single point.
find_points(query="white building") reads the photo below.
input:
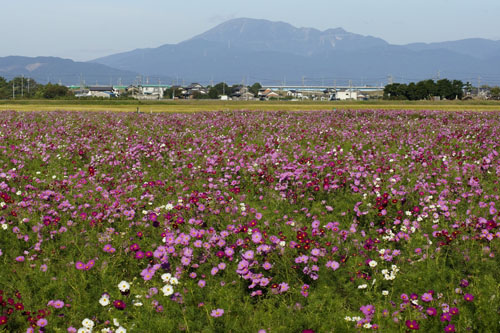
(345, 95)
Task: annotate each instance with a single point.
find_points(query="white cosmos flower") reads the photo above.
(104, 300)
(174, 281)
(115, 322)
(167, 290)
(372, 263)
(385, 292)
(124, 286)
(88, 323)
(84, 330)
(166, 277)
(121, 330)
(362, 286)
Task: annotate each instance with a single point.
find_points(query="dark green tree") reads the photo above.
(213, 93)
(254, 89)
(5, 92)
(458, 89)
(222, 88)
(395, 91)
(177, 92)
(495, 92)
(411, 91)
(445, 89)
(55, 91)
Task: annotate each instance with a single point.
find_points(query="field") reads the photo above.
(211, 105)
(249, 221)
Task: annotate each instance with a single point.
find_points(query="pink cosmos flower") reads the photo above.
(58, 304)
(426, 297)
(42, 322)
(217, 313)
(332, 264)
(79, 265)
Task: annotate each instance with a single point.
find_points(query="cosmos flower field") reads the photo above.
(327, 221)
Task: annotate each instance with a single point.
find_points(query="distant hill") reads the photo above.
(277, 53)
(66, 71)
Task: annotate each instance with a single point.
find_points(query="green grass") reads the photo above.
(216, 105)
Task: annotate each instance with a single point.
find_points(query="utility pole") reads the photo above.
(22, 86)
(28, 87)
(478, 85)
(13, 90)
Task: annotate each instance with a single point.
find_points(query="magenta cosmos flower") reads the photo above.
(450, 328)
(412, 324)
(217, 313)
(469, 297)
(79, 265)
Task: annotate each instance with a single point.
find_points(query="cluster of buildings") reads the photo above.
(196, 90)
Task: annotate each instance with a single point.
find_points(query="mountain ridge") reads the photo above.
(54, 69)
(275, 53)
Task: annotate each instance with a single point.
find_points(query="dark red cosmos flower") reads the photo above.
(119, 304)
(19, 306)
(3, 320)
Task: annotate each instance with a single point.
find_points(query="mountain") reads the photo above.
(474, 47)
(276, 53)
(263, 35)
(66, 71)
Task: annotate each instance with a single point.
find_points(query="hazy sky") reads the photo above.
(87, 29)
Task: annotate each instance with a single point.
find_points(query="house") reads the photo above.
(294, 93)
(96, 91)
(263, 92)
(344, 95)
(245, 96)
(267, 93)
(153, 91)
(193, 90)
(102, 91)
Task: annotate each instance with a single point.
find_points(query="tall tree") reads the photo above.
(254, 89)
(4, 89)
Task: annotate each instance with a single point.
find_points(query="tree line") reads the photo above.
(426, 89)
(21, 87)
